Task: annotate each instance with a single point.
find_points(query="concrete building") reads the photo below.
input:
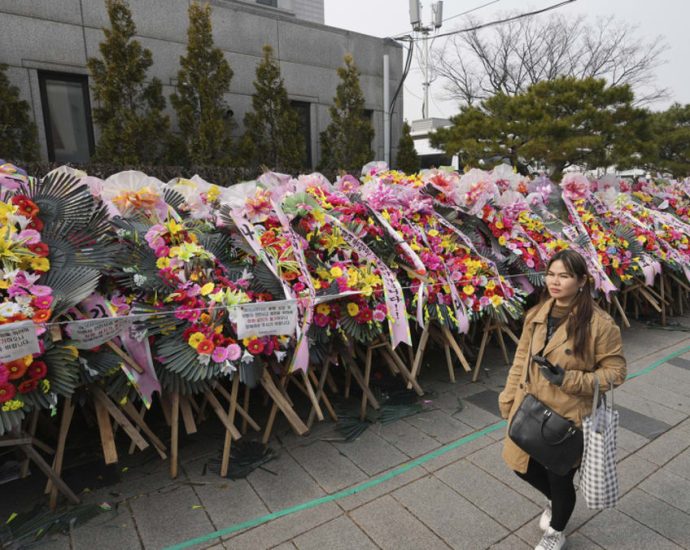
(46, 44)
(430, 156)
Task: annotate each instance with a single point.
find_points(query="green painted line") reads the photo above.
(383, 477)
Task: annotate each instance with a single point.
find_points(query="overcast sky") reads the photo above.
(669, 18)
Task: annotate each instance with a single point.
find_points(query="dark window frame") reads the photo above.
(65, 77)
(305, 106)
(268, 3)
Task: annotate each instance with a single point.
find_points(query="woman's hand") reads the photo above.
(555, 374)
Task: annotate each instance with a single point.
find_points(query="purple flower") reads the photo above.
(220, 354)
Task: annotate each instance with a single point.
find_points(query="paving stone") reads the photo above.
(476, 417)
(449, 515)
(614, 530)
(665, 447)
(441, 426)
(632, 471)
(283, 529)
(641, 424)
(680, 465)
(371, 453)
(486, 400)
(392, 527)
(657, 515)
(511, 543)
(338, 534)
(328, 466)
(680, 362)
(112, 530)
(649, 409)
(670, 488)
(487, 493)
(458, 453)
(229, 502)
(670, 398)
(54, 542)
(165, 519)
(285, 546)
(407, 438)
(283, 482)
(489, 459)
(629, 440)
(371, 493)
(577, 541)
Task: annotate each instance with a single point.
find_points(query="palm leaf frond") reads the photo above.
(70, 286)
(61, 197)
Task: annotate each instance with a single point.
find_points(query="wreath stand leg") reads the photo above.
(33, 424)
(352, 368)
(497, 329)
(245, 406)
(227, 444)
(282, 402)
(65, 422)
(138, 417)
(24, 442)
(174, 433)
(417, 362)
(319, 383)
(112, 410)
(240, 409)
(367, 377)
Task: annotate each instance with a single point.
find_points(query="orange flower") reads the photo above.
(41, 315)
(205, 347)
(16, 368)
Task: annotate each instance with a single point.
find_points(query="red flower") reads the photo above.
(205, 347)
(255, 346)
(365, 316)
(35, 223)
(40, 249)
(28, 386)
(7, 392)
(26, 207)
(37, 370)
(16, 368)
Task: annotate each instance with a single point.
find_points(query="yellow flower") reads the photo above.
(496, 300)
(336, 272)
(468, 289)
(352, 309)
(499, 224)
(317, 284)
(207, 289)
(213, 193)
(433, 233)
(205, 318)
(40, 264)
(162, 263)
(323, 309)
(502, 240)
(195, 339)
(174, 227)
(491, 285)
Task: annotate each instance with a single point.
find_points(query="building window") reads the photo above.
(271, 3)
(67, 116)
(303, 109)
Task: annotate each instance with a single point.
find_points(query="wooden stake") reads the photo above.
(449, 362)
(65, 422)
(456, 348)
(416, 365)
(367, 376)
(33, 422)
(187, 415)
(283, 404)
(119, 417)
(480, 355)
(321, 394)
(106, 431)
(174, 433)
(225, 462)
(246, 408)
(138, 418)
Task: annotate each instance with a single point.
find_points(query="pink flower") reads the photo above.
(379, 316)
(234, 352)
(162, 251)
(575, 186)
(42, 302)
(4, 374)
(154, 233)
(30, 236)
(220, 354)
(40, 290)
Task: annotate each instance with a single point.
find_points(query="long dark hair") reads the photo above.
(582, 306)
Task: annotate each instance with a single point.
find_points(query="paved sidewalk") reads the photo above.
(463, 498)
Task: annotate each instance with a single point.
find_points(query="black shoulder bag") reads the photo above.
(546, 436)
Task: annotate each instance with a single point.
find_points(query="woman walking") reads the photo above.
(581, 342)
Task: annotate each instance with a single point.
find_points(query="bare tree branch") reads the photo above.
(511, 57)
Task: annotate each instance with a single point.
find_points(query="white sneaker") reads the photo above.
(545, 519)
(552, 540)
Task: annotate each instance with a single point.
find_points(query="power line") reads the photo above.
(470, 11)
(498, 21)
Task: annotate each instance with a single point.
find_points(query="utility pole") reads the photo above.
(426, 30)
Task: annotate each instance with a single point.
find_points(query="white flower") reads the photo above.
(228, 368)
(247, 357)
(204, 359)
(8, 309)
(139, 279)
(280, 355)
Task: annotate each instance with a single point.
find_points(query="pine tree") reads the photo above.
(202, 81)
(346, 142)
(272, 135)
(17, 130)
(407, 159)
(130, 115)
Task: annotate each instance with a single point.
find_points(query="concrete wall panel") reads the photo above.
(64, 11)
(312, 46)
(243, 32)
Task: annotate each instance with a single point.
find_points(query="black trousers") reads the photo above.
(558, 489)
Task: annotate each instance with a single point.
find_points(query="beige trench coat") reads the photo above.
(573, 399)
